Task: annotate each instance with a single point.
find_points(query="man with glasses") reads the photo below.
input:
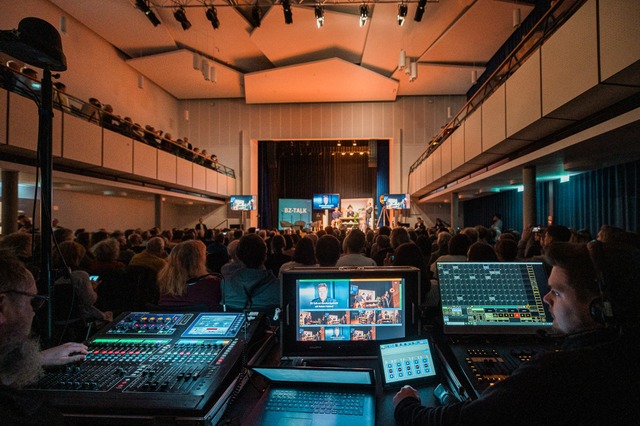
(21, 360)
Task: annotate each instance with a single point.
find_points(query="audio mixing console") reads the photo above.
(153, 365)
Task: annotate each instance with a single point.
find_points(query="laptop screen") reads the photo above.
(317, 375)
(493, 297)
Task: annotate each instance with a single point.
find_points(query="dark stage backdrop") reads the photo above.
(301, 169)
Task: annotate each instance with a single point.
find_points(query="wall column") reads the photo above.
(529, 196)
(158, 210)
(9, 201)
(453, 219)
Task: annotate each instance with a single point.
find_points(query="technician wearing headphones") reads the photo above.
(595, 301)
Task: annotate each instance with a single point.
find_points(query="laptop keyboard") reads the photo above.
(296, 401)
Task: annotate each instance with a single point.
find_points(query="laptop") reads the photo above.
(313, 396)
(494, 297)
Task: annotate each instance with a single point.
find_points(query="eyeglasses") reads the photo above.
(37, 301)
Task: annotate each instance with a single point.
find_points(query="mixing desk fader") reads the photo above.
(148, 365)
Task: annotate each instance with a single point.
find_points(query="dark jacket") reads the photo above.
(592, 381)
(248, 288)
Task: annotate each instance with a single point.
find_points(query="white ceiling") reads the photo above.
(340, 62)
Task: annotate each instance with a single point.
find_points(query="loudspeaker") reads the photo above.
(600, 308)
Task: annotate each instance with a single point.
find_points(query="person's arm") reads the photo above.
(409, 411)
(63, 354)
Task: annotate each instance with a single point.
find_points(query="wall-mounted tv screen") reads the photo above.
(397, 201)
(242, 202)
(344, 312)
(326, 201)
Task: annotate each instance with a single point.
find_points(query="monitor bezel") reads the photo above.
(291, 347)
(502, 329)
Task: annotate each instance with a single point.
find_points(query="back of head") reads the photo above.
(384, 230)
(459, 245)
(13, 274)
(506, 250)
(63, 234)
(305, 252)
(106, 250)
(559, 233)
(481, 252)
(18, 243)
(252, 251)
(155, 246)
(472, 233)
(277, 244)
(383, 242)
(328, 250)
(355, 241)
(72, 254)
(186, 260)
(399, 236)
(618, 266)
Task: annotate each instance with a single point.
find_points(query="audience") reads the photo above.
(184, 282)
(153, 257)
(354, 246)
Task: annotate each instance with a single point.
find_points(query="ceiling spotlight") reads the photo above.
(339, 143)
(212, 16)
(474, 76)
(364, 14)
(319, 15)
(517, 20)
(286, 8)
(402, 13)
(354, 143)
(414, 71)
(144, 7)
(422, 4)
(181, 17)
(256, 15)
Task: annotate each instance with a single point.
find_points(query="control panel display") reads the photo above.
(215, 325)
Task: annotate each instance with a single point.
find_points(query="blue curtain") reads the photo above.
(382, 179)
(589, 200)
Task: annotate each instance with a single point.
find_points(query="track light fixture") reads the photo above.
(364, 14)
(422, 4)
(319, 10)
(181, 17)
(402, 59)
(256, 15)
(144, 8)
(402, 13)
(212, 16)
(413, 74)
(286, 8)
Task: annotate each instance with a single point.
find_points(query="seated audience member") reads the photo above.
(185, 282)
(481, 252)
(442, 242)
(21, 360)
(152, 257)
(71, 254)
(399, 236)
(354, 246)
(327, 250)
(409, 254)
(107, 119)
(593, 379)
(60, 97)
(217, 254)
(458, 248)
(304, 255)
(105, 253)
(134, 241)
(251, 286)
(384, 249)
(277, 258)
(506, 250)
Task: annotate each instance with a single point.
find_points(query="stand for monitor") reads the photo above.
(387, 217)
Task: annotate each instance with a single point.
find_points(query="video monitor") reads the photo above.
(347, 312)
(242, 202)
(493, 297)
(397, 201)
(326, 201)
